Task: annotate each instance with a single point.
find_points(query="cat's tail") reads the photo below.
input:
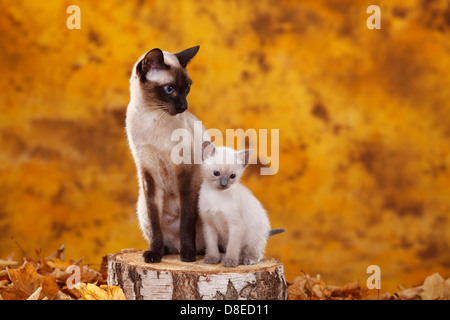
(276, 231)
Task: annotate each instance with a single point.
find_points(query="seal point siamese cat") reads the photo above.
(233, 219)
(167, 206)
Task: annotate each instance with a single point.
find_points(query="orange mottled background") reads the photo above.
(364, 119)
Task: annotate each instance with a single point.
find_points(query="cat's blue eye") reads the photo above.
(169, 89)
(232, 176)
(216, 173)
(188, 88)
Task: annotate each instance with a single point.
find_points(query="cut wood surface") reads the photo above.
(172, 279)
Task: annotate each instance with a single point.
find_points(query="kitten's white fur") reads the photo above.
(232, 217)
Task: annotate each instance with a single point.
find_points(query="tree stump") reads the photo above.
(172, 279)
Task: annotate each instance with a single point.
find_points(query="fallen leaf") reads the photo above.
(114, 292)
(352, 288)
(73, 293)
(60, 295)
(381, 296)
(92, 292)
(411, 293)
(317, 291)
(59, 253)
(8, 293)
(90, 275)
(3, 275)
(57, 263)
(35, 295)
(49, 287)
(334, 291)
(25, 280)
(433, 287)
(447, 289)
(7, 263)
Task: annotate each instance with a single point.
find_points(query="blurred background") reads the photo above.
(363, 114)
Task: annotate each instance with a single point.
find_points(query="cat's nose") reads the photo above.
(223, 183)
(182, 108)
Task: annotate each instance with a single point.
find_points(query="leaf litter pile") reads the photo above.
(306, 287)
(48, 278)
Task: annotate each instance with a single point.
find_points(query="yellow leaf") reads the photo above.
(92, 292)
(56, 263)
(114, 292)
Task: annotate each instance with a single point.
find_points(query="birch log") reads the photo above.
(172, 279)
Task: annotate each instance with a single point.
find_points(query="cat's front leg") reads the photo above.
(188, 190)
(233, 247)
(212, 247)
(155, 251)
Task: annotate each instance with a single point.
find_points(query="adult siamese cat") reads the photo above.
(168, 192)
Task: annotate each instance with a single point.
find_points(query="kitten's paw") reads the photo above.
(249, 260)
(211, 260)
(229, 263)
(187, 255)
(152, 256)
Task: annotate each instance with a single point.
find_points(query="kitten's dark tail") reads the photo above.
(276, 231)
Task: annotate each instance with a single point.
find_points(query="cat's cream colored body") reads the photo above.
(149, 130)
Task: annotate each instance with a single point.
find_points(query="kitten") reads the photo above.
(233, 219)
(168, 192)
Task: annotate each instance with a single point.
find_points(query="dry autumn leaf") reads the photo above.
(7, 263)
(92, 292)
(35, 295)
(411, 293)
(447, 289)
(114, 292)
(56, 263)
(50, 287)
(433, 287)
(25, 280)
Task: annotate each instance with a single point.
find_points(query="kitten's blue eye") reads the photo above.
(188, 88)
(232, 176)
(216, 173)
(168, 89)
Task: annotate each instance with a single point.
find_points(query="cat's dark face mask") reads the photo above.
(166, 84)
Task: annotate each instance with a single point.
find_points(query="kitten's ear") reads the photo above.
(208, 150)
(244, 156)
(186, 55)
(154, 59)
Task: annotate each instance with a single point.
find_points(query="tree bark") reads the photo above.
(172, 279)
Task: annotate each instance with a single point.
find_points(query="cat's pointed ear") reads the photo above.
(244, 156)
(154, 59)
(208, 150)
(186, 55)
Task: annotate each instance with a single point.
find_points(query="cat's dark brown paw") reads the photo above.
(211, 260)
(152, 257)
(187, 255)
(229, 263)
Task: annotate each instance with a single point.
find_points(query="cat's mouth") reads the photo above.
(174, 112)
